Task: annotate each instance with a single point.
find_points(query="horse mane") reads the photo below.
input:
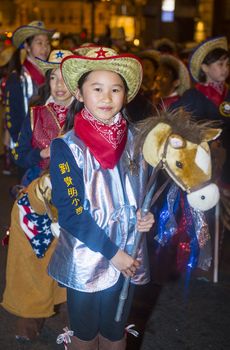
(181, 123)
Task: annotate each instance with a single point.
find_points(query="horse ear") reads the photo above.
(176, 141)
(211, 134)
(154, 142)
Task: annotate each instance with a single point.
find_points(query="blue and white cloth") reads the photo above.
(37, 228)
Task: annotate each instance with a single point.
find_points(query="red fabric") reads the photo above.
(105, 142)
(182, 237)
(47, 123)
(35, 73)
(213, 93)
(167, 101)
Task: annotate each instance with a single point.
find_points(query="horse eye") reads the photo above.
(179, 164)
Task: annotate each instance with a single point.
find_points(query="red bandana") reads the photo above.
(105, 142)
(35, 73)
(60, 112)
(216, 93)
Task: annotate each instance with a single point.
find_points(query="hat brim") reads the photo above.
(24, 32)
(198, 55)
(150, 54)
(184, 76)
(127, 65)
(45, 66)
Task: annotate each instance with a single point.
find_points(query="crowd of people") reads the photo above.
(68, 128)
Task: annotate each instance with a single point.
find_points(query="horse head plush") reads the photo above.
(179, 145)
(174, 142)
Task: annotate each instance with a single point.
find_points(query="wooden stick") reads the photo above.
(216, 243)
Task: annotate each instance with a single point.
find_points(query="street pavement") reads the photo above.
(183, 316)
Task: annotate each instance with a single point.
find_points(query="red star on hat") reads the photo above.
(101, 53)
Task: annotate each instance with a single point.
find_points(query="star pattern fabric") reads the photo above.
(37, 228)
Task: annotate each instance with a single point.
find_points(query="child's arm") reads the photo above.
(24, 155)
(68, 197)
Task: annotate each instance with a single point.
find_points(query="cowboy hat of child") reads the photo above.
(150, 54)
(201, 51)
(54, 60)
(102, 58)
(33, 28)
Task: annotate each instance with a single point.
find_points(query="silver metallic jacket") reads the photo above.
(112, 196)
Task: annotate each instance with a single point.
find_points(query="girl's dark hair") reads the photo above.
(212, 57)
(29, 40)
(43, 92)
(15, 63)
(76, 106)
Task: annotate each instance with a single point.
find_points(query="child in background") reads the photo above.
(45, 120)
(97, 194)
(210, 97)
(30, 293)
(25, 78)
(172, 80)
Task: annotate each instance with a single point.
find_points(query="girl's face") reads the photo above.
(217, 72)
(40, 47)
(103, 94)
(164, 84)
(58, 89)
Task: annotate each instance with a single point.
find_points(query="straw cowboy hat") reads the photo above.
(54, 60)
(103, 58)
(198, 55)
(84, 48)
(6, 54)
(182, 70)
(150, 54)
(34, 28)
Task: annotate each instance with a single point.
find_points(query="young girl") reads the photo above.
(30, 293)
(25, 76)
(45, 120)
(172, 80)
(210, 97)
(97, 194)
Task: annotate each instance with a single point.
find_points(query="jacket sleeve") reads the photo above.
(23, 154)
(15, 110)
(68, 198)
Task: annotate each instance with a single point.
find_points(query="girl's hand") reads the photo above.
(144, 224)
(45, 152)
(125, 263)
